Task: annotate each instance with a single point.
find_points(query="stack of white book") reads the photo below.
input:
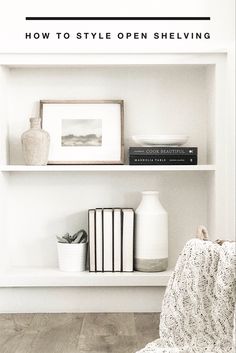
(111, 239)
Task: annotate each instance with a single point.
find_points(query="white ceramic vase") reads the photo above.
(72, 257)
(35, 144)
(151, 235)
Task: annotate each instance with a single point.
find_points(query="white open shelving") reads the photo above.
(163, 93)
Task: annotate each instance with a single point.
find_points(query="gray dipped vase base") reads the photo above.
(150, 265)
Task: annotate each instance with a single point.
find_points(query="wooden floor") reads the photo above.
(76, 333)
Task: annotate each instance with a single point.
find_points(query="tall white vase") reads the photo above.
(151, 235)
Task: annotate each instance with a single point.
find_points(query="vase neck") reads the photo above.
(35, 123)
(150, 200)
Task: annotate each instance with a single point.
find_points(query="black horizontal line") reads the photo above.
(117, 18)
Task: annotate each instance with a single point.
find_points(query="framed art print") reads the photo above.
(84, 132)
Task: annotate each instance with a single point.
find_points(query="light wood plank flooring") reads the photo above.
(77, 333)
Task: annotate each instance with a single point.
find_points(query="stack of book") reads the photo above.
(163, 155)
(111, 239)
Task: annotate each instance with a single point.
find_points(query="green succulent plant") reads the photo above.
(80, 237)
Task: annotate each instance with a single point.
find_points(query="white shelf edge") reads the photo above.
(106, 168)
(88, 58)
(53, 277)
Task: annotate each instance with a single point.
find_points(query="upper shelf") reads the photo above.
(205, 56)
(106, 168)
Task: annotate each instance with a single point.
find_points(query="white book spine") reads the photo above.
(128, 240)
(99, 240)
(117, 240)
(91, 231)
(108, 239)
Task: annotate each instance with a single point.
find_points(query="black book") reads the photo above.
(173, 151)
(162, 160)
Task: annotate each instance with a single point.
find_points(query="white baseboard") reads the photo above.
(81, 299)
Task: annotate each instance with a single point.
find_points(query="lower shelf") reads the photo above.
(52, 277)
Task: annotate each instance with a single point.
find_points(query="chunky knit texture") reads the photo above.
(198, 307)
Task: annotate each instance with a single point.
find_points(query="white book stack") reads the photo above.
(111, 239)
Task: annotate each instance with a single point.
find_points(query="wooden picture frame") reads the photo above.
(60, 116)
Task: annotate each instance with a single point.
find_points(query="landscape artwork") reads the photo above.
(81, 132)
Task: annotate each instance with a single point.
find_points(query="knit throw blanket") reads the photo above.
(198, 307)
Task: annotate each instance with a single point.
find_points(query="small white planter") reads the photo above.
(72, 257)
